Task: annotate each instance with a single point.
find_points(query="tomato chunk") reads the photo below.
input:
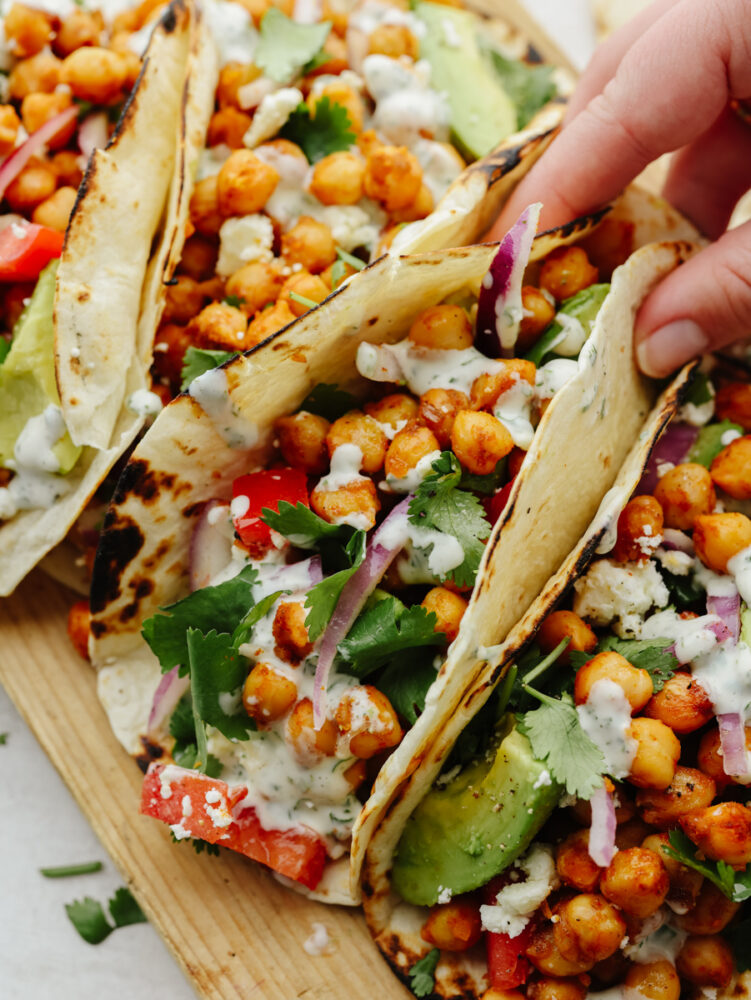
(495, 505)
(209, 809)
(253, 492)
(26, 249)
(508, 966)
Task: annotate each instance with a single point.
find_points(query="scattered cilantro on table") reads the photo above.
(199, 360)
(385, 629)
(328, 129)
(329, 401)
(88, 917)
(422, 974)
(735, 885)
(285, 46)
(67, 871)
(4, 739)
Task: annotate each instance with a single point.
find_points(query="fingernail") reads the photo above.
(670, 346)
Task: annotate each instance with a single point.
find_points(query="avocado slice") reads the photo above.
(584, 307)
(27, 376)
(482, 113)
(463, 834)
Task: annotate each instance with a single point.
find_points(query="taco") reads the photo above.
(585, 811)
(290, 602)
(47, 475)
(306, 144)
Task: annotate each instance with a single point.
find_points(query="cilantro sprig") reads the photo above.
(735, 885)
(422, 974)
(385, 629)
(322, 599)
(328, 129)
(329, 401)
(285, 46)
(439, 503)
(653, 655)
(89, 919)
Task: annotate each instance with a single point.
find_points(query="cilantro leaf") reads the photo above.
(87, 916)
(558, 740)
(216, 670)
(199, 846)
(708, 444)
(405, 682)
(188, 757)
(66, 871)
(4, 739)
(181, 721)
(199, 360)
(422, 974)
(735, 885)
(486, 485)
(686, 593)
(439, 504)
(234, 300)
(125, 910)
(700, 391)
(384, 629)
(739, 939)
(329, 130)
(652, 655)
(304, 528)
(324, 597)
(285, 46)
(328, 401)
(218, 608)
(529, 87)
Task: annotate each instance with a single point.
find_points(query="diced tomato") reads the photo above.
(495, 505)
(507, 965)
(264, 489)
(26, 249)
(210, 810)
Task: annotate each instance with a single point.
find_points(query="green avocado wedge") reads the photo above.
(27, 375)
(463, 834)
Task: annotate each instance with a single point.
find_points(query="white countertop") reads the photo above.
(41, 955)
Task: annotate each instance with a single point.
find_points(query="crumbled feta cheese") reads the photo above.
(272, 114)
(516, 903)
(544, 780)
(247, 238)
(619, 595)
(444, 894)
(319, 942)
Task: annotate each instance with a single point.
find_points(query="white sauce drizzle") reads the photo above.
(211, 392)
(606, 718)
(35, 486)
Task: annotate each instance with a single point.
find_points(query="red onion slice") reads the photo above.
(210, 547)
(499, 306)
(677, 541)
(36, 143)
(93, 133)
(170, 690)
(735, 761)
(721, 630)
(388, 540)
(602, 831)
(729, 610)
(673, 447)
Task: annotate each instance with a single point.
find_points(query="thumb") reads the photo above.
(703, 305)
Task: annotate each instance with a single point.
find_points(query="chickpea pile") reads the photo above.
(574, 943)
(58, 62)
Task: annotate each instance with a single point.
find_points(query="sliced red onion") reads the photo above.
(721, 630)
(170, 690)
(735, 761)
(729, 610)
(673, 447)
(388, 540)
(677, 541)
(36, 143)
(93, 133)
(602, 831)
(210, 547)
(499, 306)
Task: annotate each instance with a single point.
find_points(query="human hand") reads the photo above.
(664, 83)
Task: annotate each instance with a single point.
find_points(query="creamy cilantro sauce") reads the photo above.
(740, 567)
(658, 940)
(211, 392)
(572, 337)
(410, 482)
(232, 29)
(606, 718)
(425, 369)
(551, 378)
(242, 239)
(406, 106)
(692, 636)
(346, 462)
(35, 485)
(446, 553)
(441, 165)
(144, 403)
(725, 674)
(514, 410)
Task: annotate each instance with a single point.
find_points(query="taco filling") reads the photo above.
(590, 830)
(327, 586)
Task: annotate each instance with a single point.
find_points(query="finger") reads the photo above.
(669, 88)
(608, 55)
(708, 176)
(703, 305)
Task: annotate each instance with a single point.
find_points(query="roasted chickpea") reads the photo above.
(639, 530)
(9, 125)
(268, 322)
(731, 469)
(38, 109)
(689, 789)
(631, 834)
(494, 994)
(267, 694)
(219, 325)
(55, 211)
(309, 286)
(204, 207)
(255, 285)
(566, 271)
(35, 184)
(589, 928)
(26, 30)
(711, 913)
(228, 127)
(448, 608)
(722, 832)
(556, 989)
(359, 429)
(356, 503)
(653, 980)
(408, 447)
(573, 863)
(394, 40)
(538, 312)
(94, 74)
(657, 753)
(684, 493)
(79, 625)
(67, 166)
(38, 73)
(170, 344)
(683, 704)
(231, 77)
(393, 410)
(290, 632)
(611, 970)
(562, 625)
(438, 410)
(183, 300)
(544, 953)
(453, 926)
(339, 93)
(479, 441)
(309, 243)
(302, 441)
(706, 961)
(636, 683)
(719, 537)
(367, 717)
(393, 176)
(308, 743)
(337, 179)
(685, 882)
(488, 387)
(423, 205)
(131, 67)
(245, 183)
(636, 880)
(356, 773)
(733, 402)
(442, 328)
(80, 28)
